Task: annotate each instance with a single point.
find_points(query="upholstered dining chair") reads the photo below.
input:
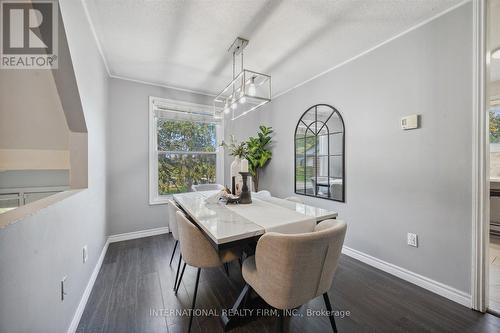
(295, 199)
(288, 270)
(262, 195)
(197, 251)
(207, 187)
(172, 225)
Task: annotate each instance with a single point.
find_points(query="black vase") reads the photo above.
(245, 195)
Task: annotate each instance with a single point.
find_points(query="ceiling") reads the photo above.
(184, 44)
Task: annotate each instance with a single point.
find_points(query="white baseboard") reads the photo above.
(83, 301)
(436, 287)
(137, 234)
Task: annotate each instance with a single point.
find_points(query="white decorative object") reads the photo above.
(214, 198)
(244, 165)
(236, 180)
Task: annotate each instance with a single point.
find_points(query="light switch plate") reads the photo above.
(85, 254)
(409, 122)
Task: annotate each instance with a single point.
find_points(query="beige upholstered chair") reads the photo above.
(197, 251)
(262, 195)
(295, 199)
(289, 270)
(172, 225)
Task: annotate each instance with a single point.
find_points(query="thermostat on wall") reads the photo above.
(409, 122)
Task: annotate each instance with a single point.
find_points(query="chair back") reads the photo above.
(172, 218)
(295, 268)
(262, 195)
(207, 187)
(195, 248)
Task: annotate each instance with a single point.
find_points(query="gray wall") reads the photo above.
(128, 151)
(36, 252)
(397, 181)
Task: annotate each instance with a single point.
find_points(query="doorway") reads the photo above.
(493, 107)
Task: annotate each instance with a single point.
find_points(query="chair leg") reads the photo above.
(180, 279)
(329, 308)
(226, 268)
(173, 252)
(177, 273)
(194, 299)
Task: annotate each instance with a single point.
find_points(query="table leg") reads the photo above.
(231, 319)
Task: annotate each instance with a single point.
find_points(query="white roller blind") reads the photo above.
(185, 111)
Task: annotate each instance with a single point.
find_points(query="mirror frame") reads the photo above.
(334, 111)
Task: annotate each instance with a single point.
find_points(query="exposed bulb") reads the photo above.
(251, 87)
(243, 99)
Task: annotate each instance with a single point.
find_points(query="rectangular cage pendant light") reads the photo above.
(247, 91)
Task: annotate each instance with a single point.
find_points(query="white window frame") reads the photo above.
(178, 106)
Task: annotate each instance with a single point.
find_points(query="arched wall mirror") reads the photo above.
(319, 153)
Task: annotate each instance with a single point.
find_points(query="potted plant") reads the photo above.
(258, 153)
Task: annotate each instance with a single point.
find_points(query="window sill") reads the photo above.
(22, 212)
(161, 201)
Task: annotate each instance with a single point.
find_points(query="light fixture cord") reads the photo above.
(233, 64)
(241, 61)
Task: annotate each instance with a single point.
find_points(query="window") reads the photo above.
(184, 148)
(495, 137)
(319, 153)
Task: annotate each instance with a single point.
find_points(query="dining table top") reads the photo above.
(226, 224)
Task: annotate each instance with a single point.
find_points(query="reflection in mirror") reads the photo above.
(319, 153)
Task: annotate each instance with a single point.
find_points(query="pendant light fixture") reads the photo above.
(247, 91)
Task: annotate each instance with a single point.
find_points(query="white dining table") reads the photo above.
(227, 225)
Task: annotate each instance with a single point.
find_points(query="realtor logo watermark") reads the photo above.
(28, 34)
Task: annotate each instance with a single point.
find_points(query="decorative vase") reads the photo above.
(236, 184)
(245, 195)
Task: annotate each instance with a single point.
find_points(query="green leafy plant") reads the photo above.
(236, 149)
(258, 152)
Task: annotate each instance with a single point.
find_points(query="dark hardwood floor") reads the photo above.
(136, 279)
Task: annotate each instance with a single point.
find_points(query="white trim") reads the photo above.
(137, 234)
(439, 288)
(149, 83)
(154, 198)
(86, 293)
(374, 47)
(152, 165)
(480, 163)
(94, 33)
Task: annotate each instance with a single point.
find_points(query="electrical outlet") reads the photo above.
(85, 254)
(412, 239)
